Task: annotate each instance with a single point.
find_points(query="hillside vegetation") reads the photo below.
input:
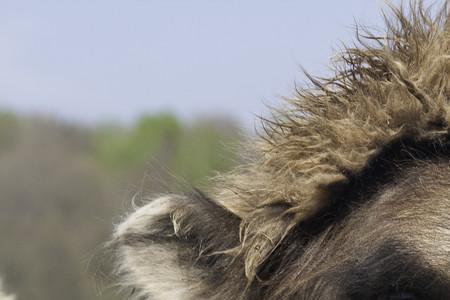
(64, 186)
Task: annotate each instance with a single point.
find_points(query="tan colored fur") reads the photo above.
(390, 87)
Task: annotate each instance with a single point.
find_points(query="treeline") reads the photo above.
(63, 186)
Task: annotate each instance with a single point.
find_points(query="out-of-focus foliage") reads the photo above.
(161, 143)
(63, 186)
(205, 147)
(124, 149)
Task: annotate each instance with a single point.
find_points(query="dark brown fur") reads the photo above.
(346, 194)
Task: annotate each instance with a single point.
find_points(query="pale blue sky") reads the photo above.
(99, 60)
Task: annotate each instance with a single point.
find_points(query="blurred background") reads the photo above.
(105, 100)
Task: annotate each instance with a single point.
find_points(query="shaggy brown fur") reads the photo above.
(317, 212)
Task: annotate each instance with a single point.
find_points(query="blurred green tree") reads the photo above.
(62, 190)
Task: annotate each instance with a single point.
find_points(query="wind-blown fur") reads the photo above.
(389, 92)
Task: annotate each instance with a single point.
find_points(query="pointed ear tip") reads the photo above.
(141, 218)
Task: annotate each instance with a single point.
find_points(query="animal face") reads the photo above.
(391, 242)
(345, 196)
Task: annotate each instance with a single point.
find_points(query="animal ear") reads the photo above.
(175, 246)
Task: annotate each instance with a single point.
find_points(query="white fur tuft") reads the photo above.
(3, 295)
(154, 268)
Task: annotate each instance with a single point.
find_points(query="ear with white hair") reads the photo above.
(175, 247)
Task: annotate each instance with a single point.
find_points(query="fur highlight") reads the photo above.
(3, 294)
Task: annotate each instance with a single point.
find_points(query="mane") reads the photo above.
(385, 88)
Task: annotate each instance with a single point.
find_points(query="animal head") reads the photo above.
(346, 194)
